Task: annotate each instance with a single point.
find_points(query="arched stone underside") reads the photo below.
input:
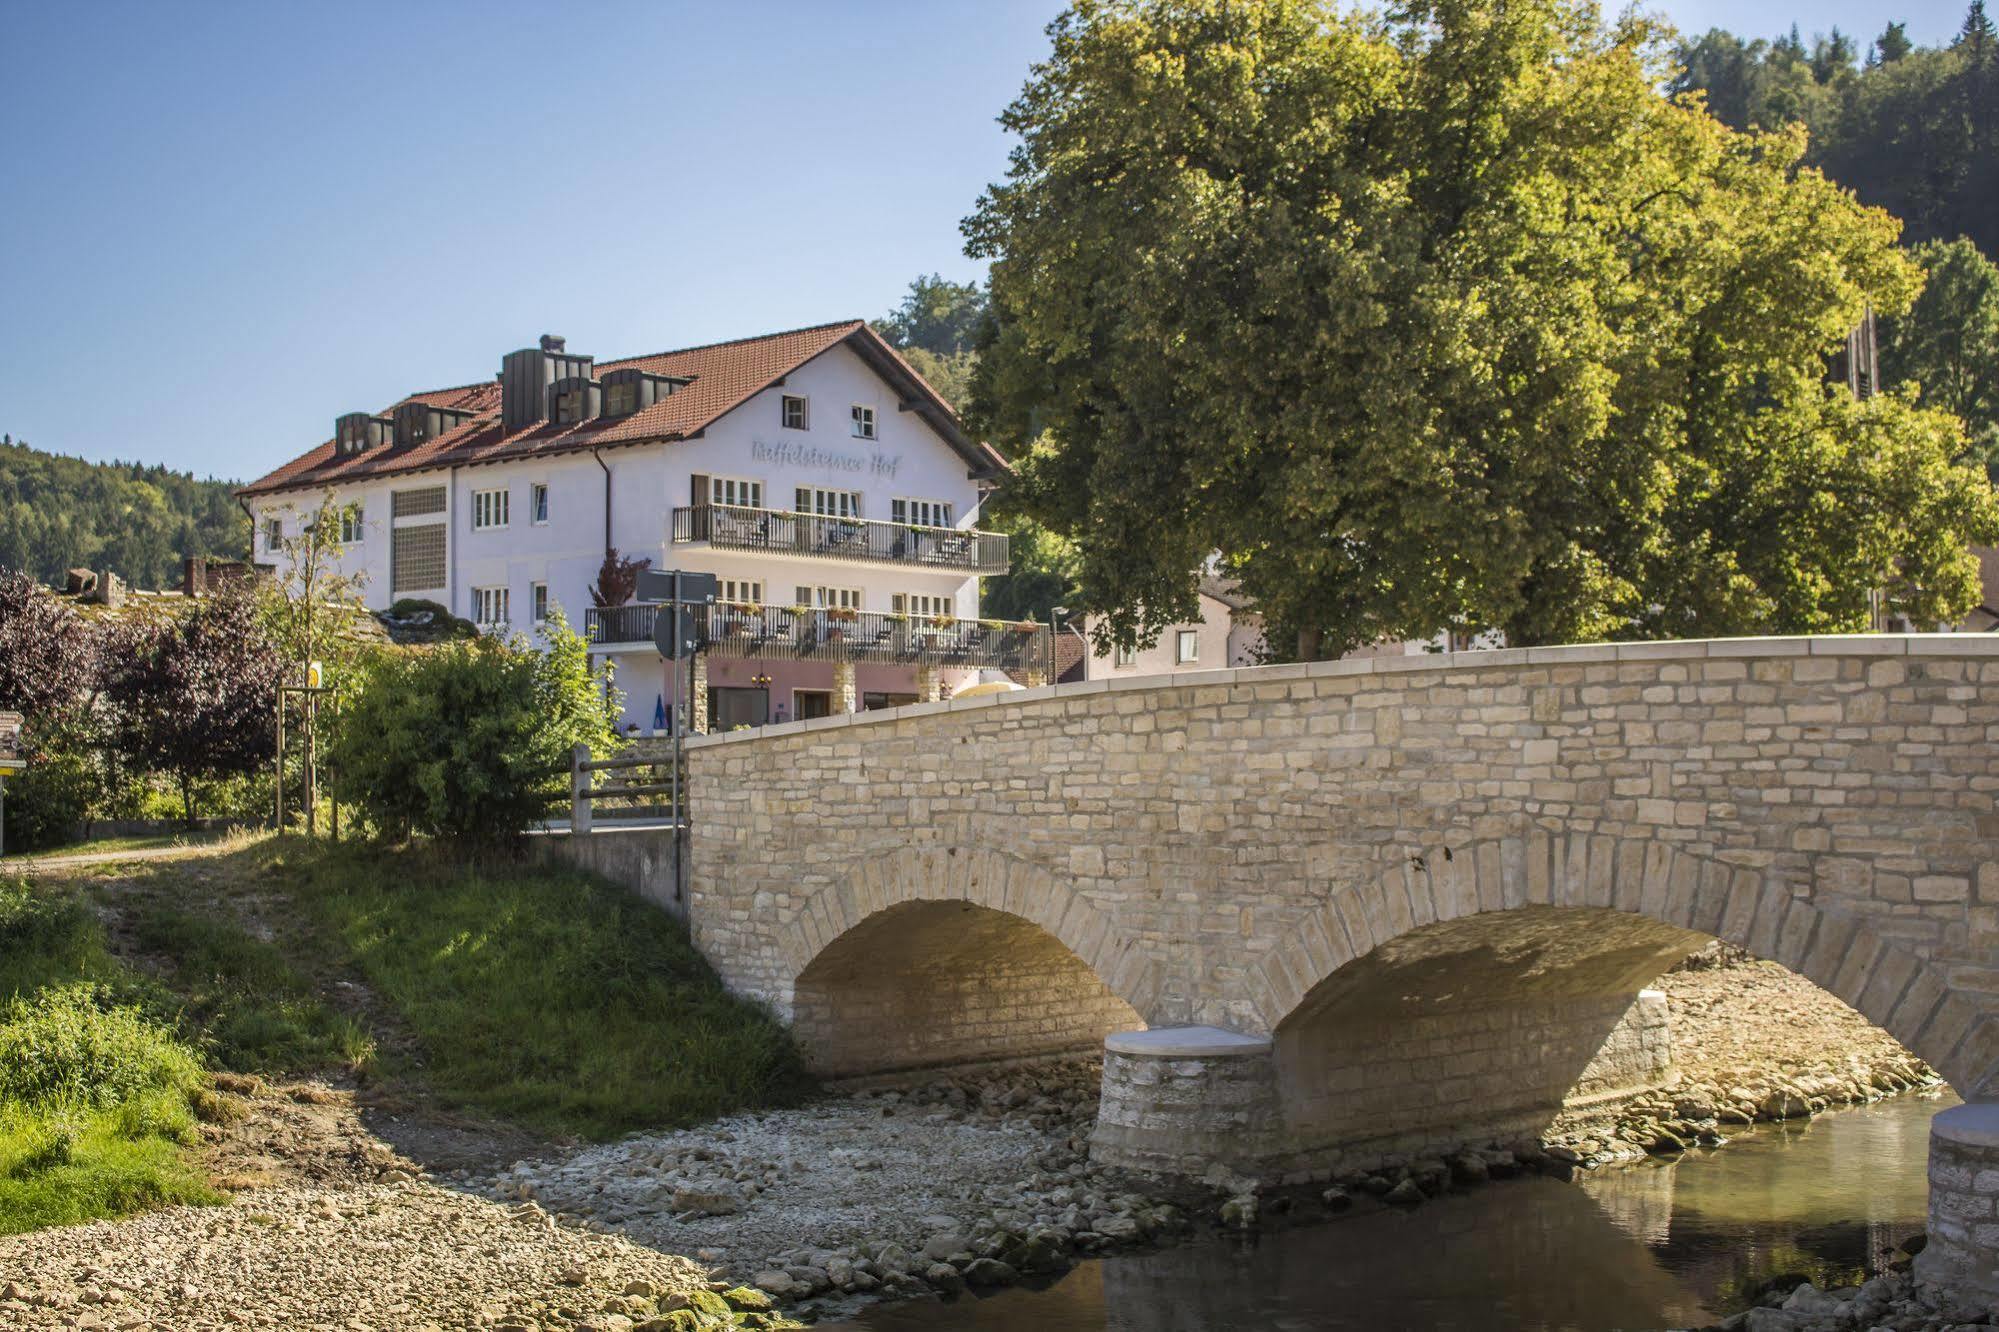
(924, 984)
(1649, 882)
(934, 955)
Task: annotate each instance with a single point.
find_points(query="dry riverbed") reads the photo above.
(963, 1181)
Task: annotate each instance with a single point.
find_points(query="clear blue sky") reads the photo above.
(221, 225)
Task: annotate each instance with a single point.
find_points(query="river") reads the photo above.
(1658, 1245)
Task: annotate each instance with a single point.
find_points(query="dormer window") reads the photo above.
(573, 401)
(357, 432)
(630, 390)
(569, 407)
(621, 398)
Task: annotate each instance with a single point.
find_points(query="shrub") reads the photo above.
(45, 938)
(63, 1047)
(467, 740)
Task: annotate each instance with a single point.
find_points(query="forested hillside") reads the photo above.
(1911, 129)
(58, 513)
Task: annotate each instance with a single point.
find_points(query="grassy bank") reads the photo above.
(97, 1089)
(543, 996)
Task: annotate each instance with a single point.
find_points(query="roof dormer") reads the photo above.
(417, 421)
(574, 400)
(632, 390)
(357, 432)
(526, 377)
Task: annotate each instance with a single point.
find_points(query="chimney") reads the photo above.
(525, 377)
(194, 576)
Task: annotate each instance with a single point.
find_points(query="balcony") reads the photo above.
(865, 540)
(736, 629)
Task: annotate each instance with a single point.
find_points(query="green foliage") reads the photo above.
(1948, 342)
(468, 740)
(51, 799)
(47, 938)
(937, 316)
(550, 997)
(1445, 318)
(58, 513)
(67, 1047)
(1916, 131)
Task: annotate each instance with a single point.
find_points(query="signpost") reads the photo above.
(10, 761)
(676, 632)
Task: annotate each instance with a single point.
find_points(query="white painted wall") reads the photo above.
(907, 460)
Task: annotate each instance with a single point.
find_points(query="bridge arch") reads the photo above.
(1636, 893)
(951, 954)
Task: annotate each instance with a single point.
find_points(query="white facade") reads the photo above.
(491, 563)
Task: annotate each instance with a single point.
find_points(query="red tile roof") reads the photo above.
(723, 376)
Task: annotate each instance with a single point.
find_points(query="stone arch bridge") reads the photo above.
(1326, 912)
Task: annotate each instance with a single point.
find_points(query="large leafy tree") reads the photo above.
(193, 695)
(47, 655)
(1445, 318)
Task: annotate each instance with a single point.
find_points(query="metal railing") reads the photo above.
(738, 527)
(739, 629)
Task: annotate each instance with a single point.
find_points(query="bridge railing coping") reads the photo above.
(1569, 654)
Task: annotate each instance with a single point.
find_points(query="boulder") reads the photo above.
(989, 1272)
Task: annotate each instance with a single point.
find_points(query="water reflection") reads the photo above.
(1666, 1245)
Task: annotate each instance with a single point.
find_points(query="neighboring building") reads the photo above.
(1229, 633)
(826, 485)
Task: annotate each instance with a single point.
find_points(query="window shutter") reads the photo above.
(700, 489)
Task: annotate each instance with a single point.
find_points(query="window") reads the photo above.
(829, 503)
(274, 534)
(921, 512)
(922, 604)
(832, 598)
(489, 606)
(350, 525)
(1123, 656)
(572, 406)
(538, 503)
(732, 490)
(747, 590)
(1187, 646)
(621, 397)
(794, 412)
(864, 422)
(538, 598)
(416, 557)
(489, 509)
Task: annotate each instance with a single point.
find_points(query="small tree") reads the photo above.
(48, 673)
(191, 695)
(311, 588)
(617, 579)
(468, 740)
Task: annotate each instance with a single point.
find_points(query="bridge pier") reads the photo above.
(1184, 1100)
(1961, 1259)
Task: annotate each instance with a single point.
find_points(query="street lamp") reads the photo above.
(1057, 614)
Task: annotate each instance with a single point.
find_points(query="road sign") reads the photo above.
(695, 589)
(675, 630)
(10, 742)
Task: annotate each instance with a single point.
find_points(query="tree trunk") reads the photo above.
(1308, 644)
(187, 802)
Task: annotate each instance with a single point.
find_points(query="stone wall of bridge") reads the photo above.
(1216, 846)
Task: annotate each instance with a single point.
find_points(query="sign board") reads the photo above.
(675, 630)
(10, 742)
(696, 589)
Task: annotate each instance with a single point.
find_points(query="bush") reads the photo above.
(467, 740)
(51, 800)
(64, 1047)
(46, 938)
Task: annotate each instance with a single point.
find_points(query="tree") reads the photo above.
(1444, 319)
(48, 673)
(936, 315)
(617, 579)
(1948, 342)
(469, 740)
(192, 695)
(47, 657)
(1893, 43)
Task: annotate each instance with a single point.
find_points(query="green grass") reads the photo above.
(547, 996)
(245, 1003)
(116, 845)
(96, 1090)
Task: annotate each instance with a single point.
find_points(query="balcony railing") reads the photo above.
(779, 532)
(736, 629)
